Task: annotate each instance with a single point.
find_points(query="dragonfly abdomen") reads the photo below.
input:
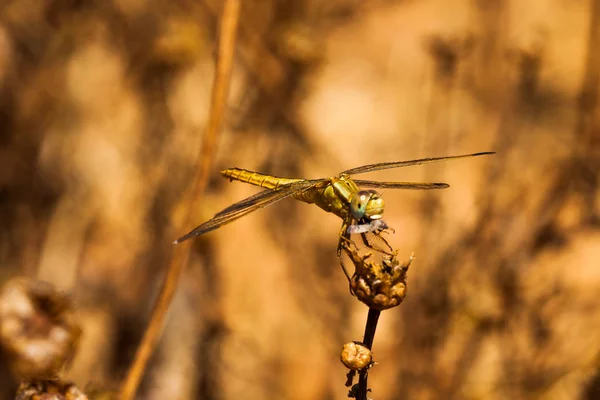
(257, 179)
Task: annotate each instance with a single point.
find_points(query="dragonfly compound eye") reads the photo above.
(359, 203)
(374, 207)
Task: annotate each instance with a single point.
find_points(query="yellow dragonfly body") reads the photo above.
(341, 195)
(332, 195)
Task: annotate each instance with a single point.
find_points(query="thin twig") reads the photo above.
(225, 55)
(370, 329)
(588, 122)
(270, 73)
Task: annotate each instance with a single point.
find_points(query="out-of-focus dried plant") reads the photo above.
(38, 328)
(50, 390)
(225, 60)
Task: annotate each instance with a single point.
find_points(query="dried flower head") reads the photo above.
(38, 330)
(50, 390)
(378, 284)
(356, 356)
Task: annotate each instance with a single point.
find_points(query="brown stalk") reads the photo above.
(588, 123)
(225, 55)
(272, 71)
(370, 329)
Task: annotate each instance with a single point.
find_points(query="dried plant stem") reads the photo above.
(272, 71)
(225, 55)
(370, 329)
(587, 133)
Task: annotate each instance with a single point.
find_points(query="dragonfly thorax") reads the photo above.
(366, 204)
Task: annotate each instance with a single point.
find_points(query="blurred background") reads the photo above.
(103, 105)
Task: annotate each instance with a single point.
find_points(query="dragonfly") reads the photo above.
(355, 201)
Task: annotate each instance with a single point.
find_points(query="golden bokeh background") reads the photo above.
(103, 105)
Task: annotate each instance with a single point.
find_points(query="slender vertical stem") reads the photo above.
(587, 131)
(225, 55)
(370, 329)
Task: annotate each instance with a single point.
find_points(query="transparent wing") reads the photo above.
(401, 185)
(375, 241)
(398, 164)
(246, 206)
(250, 201)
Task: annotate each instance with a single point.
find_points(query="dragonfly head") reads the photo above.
(367, 204)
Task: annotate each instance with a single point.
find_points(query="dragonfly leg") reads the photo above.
(344, 237)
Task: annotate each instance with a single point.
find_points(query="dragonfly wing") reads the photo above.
(246, 206)
(401, 185)
(250, 201)
(374, 240)
(397, 164)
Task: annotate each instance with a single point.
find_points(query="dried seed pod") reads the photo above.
(356, 356)
(380, 285)
(50, 390)
(38, 330)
